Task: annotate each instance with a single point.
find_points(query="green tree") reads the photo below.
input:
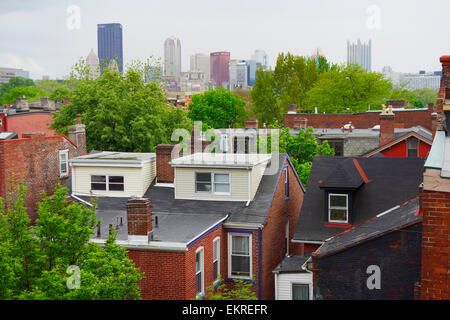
(218, 108)
(264, 102)
(48, 86)
(31, 93)
(121, 112)
(14, 83)
(60, 94)
(348, 88)
(239, 290)
(419, 98)
(35, 259)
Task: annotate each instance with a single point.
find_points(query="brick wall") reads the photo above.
(28, 122)
(363, 120)
(435, 245)
(35, 161)
(164, 171)
(344, 275)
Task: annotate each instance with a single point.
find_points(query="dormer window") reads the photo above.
(212, 182)
(337, 208)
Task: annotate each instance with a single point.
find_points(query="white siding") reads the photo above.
(257, 174)
(148, 174)
(285, 281)
(133, 179)
(185, 184)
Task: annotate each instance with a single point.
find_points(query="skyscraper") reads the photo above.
(201, 62)
(172, 57)
(260, 56)
(109, 38)
(238, 74)
(360, 53)
(219, 67)
(93, 64)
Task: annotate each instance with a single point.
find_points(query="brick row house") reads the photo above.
(187, 219)
(39, 161)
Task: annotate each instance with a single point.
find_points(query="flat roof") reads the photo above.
(113, 158)
(221, 160)
(436, 156)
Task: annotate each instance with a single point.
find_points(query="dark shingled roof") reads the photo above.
(345, 174)
(391, 181)
(291, 264)
(404, 216)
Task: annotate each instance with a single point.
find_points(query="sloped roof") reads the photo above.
(391, 181)
(345, 176)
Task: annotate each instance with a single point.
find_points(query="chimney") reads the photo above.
(300, 123)
(292, 108)
(399, 103)
(251, 124)
(387, 121)
(139, 218)
(21, 104)
(48, 105)
(444, 91)
(77, 133)
(431, 107)
(165, 173)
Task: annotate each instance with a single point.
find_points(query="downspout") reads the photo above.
(259, 262)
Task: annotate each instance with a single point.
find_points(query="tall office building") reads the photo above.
(8, 73)
(219, 68)
(110, 48)
(172, 57)
(238, 74)
(94, 64)
(360, 53)
(201, 62)
(260, 56)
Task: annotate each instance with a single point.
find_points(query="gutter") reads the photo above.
(239, 225)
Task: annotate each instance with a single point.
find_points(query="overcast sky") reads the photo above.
(43, 37)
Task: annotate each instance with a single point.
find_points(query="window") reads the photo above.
(338, 208)
(240, 256)
(63, 163)
(338, 146)
(199, 280)
(286, 183)
(107, 183)
(216, 258)
(211, 182)
(300, 291)
(413, 147)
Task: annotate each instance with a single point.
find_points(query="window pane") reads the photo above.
(198, 285)
(63, 167)
(215, 249)
(197, 262)
(116, 187)
(338, 214)
(240, 265)
(215, 269)
(98, 186)
(221, 177)
(98, 179)
(300, 292)
(116, 179)
(203, 176)
(412, 152)
(240, 245)
(220, 187)
(338, 201)
(203, 187)
(62, 157)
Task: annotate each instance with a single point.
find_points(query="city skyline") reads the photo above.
(50, 43)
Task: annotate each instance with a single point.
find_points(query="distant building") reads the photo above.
(93, 63)
(390, 74)
(360, 53)
(252, 66)
(237, 70)
(172, 57)
(260, 56)
(219, 68)
(109, 38)
(415, 81)
(8, 73)
(201, 62)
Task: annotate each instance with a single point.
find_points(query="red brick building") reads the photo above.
(40, 162)
(219, 67)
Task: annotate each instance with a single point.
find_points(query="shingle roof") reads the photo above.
(346, 175)
(397, 218)
(392, 181)
(291, 264)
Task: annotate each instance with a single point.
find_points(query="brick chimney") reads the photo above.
(21, 104)
(251, 124)
(444, 91)
(292, 108)
(77, 133)
(139, 218)
(48, 105)
(399, 103)
(387, 121)
(165, 173)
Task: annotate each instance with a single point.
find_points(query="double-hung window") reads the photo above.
(300, 291)
(212, 182)
(199, 271)
(338, 208)
(240, 253)
(63, 163)
(413, 147)
(216, 258)
(107, 183)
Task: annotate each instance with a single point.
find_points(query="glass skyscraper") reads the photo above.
(110, 50)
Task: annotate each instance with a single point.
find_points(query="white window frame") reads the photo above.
(66, 153)
(310, 288)
(213, 191)
(329, 207)
(107, 182)
(230, 250)
(202, 270)
(216, 241)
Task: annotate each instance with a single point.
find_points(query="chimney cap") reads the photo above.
(445, 60)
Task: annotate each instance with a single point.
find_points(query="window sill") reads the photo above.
(338, 224)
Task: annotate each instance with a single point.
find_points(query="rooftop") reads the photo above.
(221, 160)
(113, 158)
(291, 264)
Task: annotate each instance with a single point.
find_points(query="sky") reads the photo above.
(47, 37)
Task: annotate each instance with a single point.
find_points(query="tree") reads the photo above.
(419, 98)
(121, 112)
(31, 93)
(264, 103)
(35, 259)
(218, 108)
(48, 86)
(238, 290)
(348, 88)
(60, 94)
(15, 82)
